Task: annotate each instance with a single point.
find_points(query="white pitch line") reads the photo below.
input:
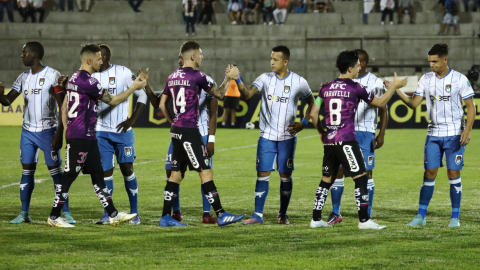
(150, 161)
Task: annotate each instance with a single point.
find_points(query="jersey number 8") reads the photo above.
(180, 100)
(336, 111)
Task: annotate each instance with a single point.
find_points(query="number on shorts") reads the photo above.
(179, 101)
(73, 95)
(336, 111)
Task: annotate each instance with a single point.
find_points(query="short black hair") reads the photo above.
(106, 48)
(440, 49)
(284, 50)
(363, 55)
(345, 60)
(37, 48)
(90, 48)
(189, 45)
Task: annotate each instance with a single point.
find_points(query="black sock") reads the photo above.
(105, 198)
(285, 194)
(58, 202)
(320, 198)
(210, 191)
(361, 198)
(168, 195)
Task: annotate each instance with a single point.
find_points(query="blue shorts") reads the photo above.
(120, 144)
(32, 142)
(366, 140)
(282, 151)
(168, 162)
(449, 147)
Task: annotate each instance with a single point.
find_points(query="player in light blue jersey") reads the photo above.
(281, 89)
(114, 129)
(443, 89)
(41, 129)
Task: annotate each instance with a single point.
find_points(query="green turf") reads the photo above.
(398, 177)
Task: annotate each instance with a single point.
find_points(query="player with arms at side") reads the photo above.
(342, 97)
(207, 125)
(447, 134)
(79, 115)
(183, 87)
(365, 128)
(114, 129)
(41, 129)
(281, 89)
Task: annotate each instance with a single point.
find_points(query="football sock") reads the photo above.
(57, 178)
(371, 191)
(170, 189)
(426, 193)
(205, 203)
(131, 186)
(456, 196)
(337, 191)
(261, 192)
(176, 202)
(320, 197)
(105, 198)
(109, 184)
(27, 183)
(210, 191)
(286, 185)
(361, 197)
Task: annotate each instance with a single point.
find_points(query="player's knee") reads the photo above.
(286, 176)
(126, 168)
(108, 173)
(359, 176)
(169, 173)
(176, 177)
(370, 174)
(327, 179)
(263, 174)
(430, 173)
(206, 175)
(31, 166)
(452, 174)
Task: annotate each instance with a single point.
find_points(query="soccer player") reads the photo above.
(281, 89)
(41, 129)
(447, 134)
(183, 88)
(79, 115)
(114, 129)
(207, 125)
(341, 98)
(366, 119)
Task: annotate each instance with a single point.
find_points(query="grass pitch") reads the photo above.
(398, 176)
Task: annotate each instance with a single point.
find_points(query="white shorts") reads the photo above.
(450, 19)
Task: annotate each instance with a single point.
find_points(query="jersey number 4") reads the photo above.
(179, 101)
(76, 97)
(335, 112)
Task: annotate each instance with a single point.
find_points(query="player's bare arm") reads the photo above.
(9, 98)
(152, 97)
(411, 101)
(247, 92)
(65, 112)
(57, 141)
(299, 126)
(465, 136)
(62, 82)
(117, 99)
(212, 126)
(219, 92)
(396, 84)
(380, 139)
(164, 99)
(125, 125)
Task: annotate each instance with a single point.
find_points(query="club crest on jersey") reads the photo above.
(111, 80)
(448, 88)
(54, 156)
(286, 89)
(370, 160)
(41, 81)
(458, 159)
(128, 151)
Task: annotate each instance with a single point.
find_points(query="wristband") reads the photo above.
(211, 138)
(238, 81)
(304, 122)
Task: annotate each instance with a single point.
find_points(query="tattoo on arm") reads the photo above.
(247, 92)
(106, 97)
(219, 92)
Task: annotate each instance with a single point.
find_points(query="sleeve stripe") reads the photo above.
(256, 85)
(209, 88)
(103, 92)
(417, 94)
(307, 95)
(468, 96)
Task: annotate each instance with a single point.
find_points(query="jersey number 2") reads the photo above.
(73, 95)
(336, 111)
(179, 101)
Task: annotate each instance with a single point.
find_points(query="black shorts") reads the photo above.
(82, 155)
(231, 102)
(188, 149)
(348, 154)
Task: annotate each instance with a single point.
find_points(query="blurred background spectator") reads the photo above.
(188, 7)
(24, 9)
(234, 10)
(230, 103)
(208, 11)
(300, 6)
(319, 6)
(367, 8)
(475, 5)
(37, 6)
(250, 6)
(450, 10)
(136, 5)
(406, 6)
(268, 6)
(387, 6)
(82, 8)
(6, 4)
(281, 8)
(69, 5)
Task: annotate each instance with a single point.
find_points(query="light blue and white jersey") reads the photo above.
(204, 118)
(115, 80)
(444, 102)
(279, 103)
(366, 118)
(40, 104)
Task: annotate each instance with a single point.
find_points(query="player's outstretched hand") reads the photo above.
(399, 83)
(210, 149)
(2, 89)
(139, 84)
(125, 125)
(295, 128)
(141, 75)
(465, 138)
(57, 142)
(232, 72)
(62, 81)
(387, 84)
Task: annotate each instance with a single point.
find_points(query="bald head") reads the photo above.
(362, 56)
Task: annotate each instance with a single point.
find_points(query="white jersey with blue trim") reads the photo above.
(444, 102)
(40, 104)
(204, 117)
(116, 79)
(279, 103)
(366, 117)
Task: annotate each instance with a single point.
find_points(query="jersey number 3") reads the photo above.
(179, 101)
(76, 97)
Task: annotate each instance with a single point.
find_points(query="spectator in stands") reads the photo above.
(300, 6)
(69, 5)
(136, 5)
(387, 8)
(208, 10)
(37, 6)
(405, 6)
(234, 10)
(282, 6)
(250, 6)
(188, 7)
(475, 5)
(367, 8)
(87, 5)
(24, 9)
(450, 10)
(230, 103)
(6, 4)
(268, 6)
(319, 6)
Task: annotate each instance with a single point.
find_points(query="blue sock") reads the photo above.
(261, 192)
(371, 191)
(26, 188)
(57, 179)
(206, 203)
(176, 202)
(456, 196)
(286, 185)
(109, 184)
(426, 193)
(337, 190)
(131, 186)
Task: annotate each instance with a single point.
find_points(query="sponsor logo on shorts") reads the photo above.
(286, 89)
(65, 195)
(352, 161)
(191, 155)
(174, 162)
(458, 159)
(128, 151)
(365, 197)
(332, 135)
(290, 163)
(111, 80)
(258, 160)
(448, 88)
(41, 82)
(207, 162)
(176, 136)
(54, 156)
(78, 168)
(67, 160)
(370, 160)
(325, 169)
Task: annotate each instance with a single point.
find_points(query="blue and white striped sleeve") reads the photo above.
(420, 90)
(466, 90)
(259, 82)
(17, 85)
